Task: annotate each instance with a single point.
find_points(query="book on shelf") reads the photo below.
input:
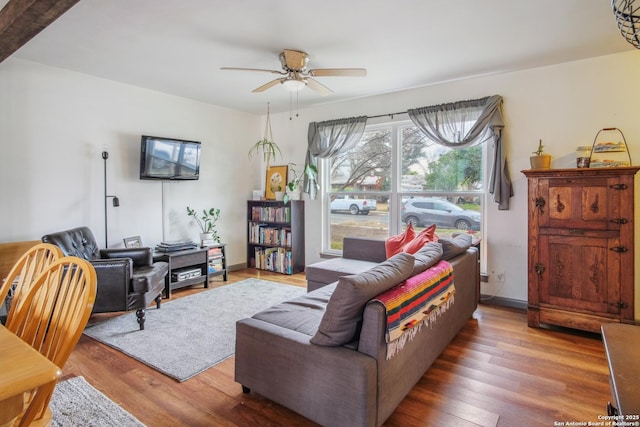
(271, 214)
(274, 259)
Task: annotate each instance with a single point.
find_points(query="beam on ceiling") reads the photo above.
(21, 20)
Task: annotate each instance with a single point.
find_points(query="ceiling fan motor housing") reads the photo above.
(294, 60)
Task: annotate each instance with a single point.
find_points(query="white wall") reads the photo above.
(54, 125)
(564, 105)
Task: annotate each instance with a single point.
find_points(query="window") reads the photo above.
(396, 176)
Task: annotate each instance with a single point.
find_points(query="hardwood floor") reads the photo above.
(496, 372)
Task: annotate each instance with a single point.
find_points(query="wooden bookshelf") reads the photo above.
(275, 236)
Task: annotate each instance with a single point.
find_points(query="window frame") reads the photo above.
(395, 194)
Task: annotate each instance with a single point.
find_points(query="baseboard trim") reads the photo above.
(503, 302)
(237, 267)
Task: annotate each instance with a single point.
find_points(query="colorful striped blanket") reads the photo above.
(419, 300)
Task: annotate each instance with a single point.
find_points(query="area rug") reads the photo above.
(191, 334)
(75, 403)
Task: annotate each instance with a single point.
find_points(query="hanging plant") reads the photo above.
(266, 146)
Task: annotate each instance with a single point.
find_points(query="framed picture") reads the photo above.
(276, 181)
(132, 242)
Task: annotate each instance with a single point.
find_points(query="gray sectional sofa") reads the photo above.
(286, 353)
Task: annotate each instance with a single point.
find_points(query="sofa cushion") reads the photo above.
(302, 314)
(330, 270)
(394, 244)
(425, 236)
(426, 257)
(341, 321)
(455, 246)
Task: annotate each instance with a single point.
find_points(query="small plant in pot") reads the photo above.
(207, 222)
(294, 189)
(540, 160)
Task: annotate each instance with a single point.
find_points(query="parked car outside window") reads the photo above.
(354, 206)
(424, 211)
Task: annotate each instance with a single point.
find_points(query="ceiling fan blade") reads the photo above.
(295, 59)
(343, 72)
(318, 87)
(253, 69)
(266, 86)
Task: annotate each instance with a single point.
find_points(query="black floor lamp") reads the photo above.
(116, 201)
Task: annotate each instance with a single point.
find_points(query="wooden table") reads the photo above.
(22, 369)
(622, 346)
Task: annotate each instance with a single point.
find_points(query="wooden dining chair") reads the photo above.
(27, 268)
(51, 317)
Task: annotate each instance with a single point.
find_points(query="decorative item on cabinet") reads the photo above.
(581, 247)
(611, 151)
(276, 182)
(541, 160)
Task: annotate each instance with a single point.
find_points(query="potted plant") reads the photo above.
(293, 187)
(541, 160)
(266, 146)
(206, 222)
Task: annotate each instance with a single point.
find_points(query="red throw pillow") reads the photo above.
(425, 236)
(394, 244)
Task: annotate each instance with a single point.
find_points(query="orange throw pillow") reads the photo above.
(394, 244)
(425, 236)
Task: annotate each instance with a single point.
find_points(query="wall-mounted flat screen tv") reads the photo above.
(169, 158)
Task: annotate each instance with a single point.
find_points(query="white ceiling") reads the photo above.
(178, 46)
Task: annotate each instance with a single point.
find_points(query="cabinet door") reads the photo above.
(579, 203)
(578, 273)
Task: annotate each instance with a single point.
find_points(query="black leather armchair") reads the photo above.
(128, 279)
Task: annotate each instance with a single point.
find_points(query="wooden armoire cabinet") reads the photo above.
(580, 248)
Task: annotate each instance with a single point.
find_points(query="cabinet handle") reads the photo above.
(619, 249)
(539, 269)
(619, 304)
(594, 206)
(574, 231)
(540, 202)
(560, 205)
(618, 186)
(620, 220)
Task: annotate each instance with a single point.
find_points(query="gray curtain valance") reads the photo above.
(467, 123)
(329, 139)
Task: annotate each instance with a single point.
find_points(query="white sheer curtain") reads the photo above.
(467, 123)
(329, 139)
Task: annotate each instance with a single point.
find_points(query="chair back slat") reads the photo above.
(52, 316)
(27, 268)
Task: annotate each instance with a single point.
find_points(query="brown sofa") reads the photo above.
(354, 384)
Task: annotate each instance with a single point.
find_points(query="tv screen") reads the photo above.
(169, 158)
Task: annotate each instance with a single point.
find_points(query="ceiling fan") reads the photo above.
(296, 76)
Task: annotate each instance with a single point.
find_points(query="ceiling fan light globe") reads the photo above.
(293, 85)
